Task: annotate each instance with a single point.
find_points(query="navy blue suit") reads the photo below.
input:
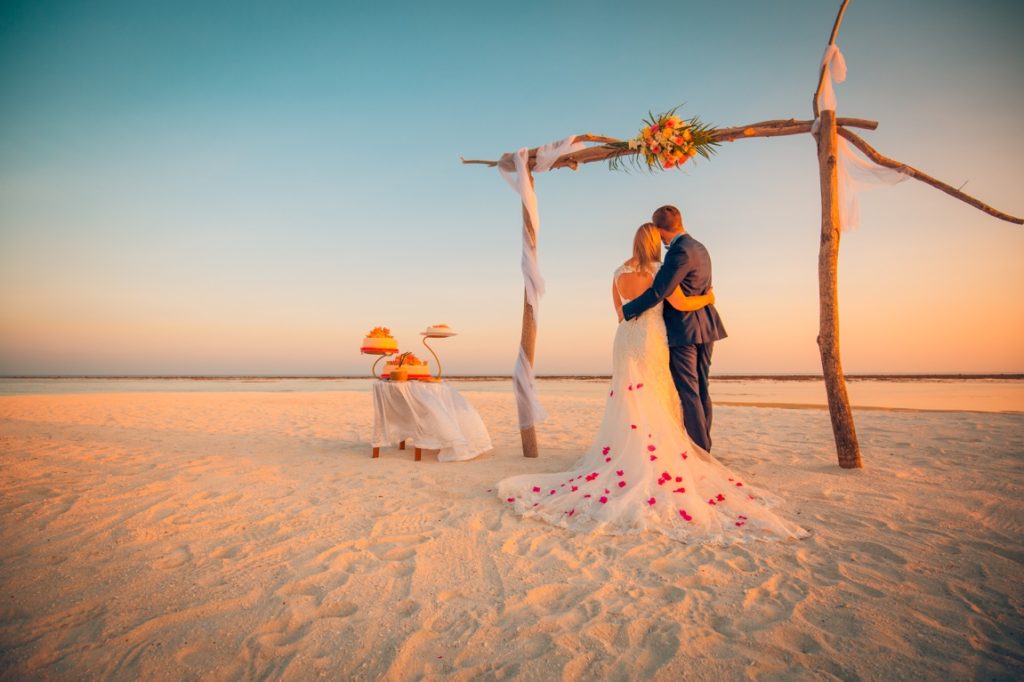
(691, 335)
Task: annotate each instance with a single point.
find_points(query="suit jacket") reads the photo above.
(687, 265)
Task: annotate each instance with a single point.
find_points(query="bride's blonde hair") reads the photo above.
(646, 247)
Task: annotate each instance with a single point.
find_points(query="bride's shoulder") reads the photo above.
(623, 269)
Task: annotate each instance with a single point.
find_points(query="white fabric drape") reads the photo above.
(854, 173)
(431, 416)
(835, 70)
(515, 169)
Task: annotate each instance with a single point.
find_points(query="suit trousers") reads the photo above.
(690, 366)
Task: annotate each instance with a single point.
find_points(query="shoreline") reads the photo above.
(503, 377)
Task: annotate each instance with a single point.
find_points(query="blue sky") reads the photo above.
(250, 187)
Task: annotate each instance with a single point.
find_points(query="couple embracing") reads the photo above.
(650, 466)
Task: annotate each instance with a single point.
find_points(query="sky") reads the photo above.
(248, 188)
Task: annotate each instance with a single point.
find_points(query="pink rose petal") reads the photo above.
(651, 501)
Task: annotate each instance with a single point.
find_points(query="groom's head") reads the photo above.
(669, 223)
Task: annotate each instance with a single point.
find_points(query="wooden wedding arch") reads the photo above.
(826, 127)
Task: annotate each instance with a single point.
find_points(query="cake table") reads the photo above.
(433, 416)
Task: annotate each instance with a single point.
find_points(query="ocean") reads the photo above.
(971, 393)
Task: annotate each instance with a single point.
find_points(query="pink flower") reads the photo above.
(720, 497)
(622, 484)
(651, 501)
(711, 502)
(571, 512)
(651, 448)
(633, 426)
(683, 455)
(738, 484)
(552, 492)
(687, 517)
(639, 385)
(607, 459)
(631, 387)
(574, 488)
(536, 488)
(511, 499)
(603, 500)
(679, 490)
(605, 450)
(586, 496)
(679, 479)
(620, 472)
(654, 457)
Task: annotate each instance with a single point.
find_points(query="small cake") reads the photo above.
(418, 369)
(439, 330)
(380, 341)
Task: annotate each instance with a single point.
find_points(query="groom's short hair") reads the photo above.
(667, 218)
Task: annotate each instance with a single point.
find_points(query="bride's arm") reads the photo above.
(681, 301)
(616, 299)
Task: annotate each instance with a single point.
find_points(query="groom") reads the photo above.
(691, 335)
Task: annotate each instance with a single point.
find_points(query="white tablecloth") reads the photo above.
(432, 416)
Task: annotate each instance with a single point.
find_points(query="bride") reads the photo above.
(643, 471)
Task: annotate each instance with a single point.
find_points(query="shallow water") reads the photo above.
(975, 394)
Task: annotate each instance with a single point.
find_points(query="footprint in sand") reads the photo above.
(174, 559)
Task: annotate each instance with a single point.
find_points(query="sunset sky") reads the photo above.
(239, 187)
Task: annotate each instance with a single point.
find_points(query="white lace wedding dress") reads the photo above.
(643, 471)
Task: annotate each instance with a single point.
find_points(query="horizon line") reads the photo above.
(548, 377)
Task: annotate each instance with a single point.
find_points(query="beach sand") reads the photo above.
(249, 535)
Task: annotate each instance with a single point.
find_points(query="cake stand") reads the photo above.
(382, 353)
(435, 335)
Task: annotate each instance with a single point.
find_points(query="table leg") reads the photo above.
(419, 453)
(376, 452)
(401, 446)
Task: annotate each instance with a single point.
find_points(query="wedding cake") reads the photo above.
(439, 330)
(379, 340)
(418, 369)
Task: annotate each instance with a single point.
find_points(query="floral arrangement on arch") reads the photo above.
(668, 141)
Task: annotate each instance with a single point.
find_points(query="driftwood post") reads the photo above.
(828, 298)
(843, 430)
(528, 338)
